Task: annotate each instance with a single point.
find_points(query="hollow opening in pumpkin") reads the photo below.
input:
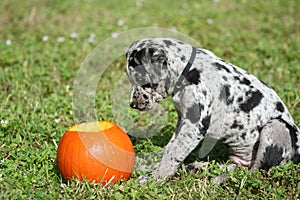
(94, 126)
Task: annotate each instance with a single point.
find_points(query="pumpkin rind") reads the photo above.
(87, 160)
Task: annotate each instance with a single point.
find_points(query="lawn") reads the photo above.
(43, 44)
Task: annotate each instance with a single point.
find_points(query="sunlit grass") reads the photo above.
(43, 44)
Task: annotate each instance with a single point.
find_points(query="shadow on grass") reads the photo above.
(219, 152)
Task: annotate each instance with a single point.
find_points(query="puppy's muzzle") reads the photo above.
(141, 100)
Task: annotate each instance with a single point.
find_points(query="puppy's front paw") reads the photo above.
(196, 166)
(164, 171)
(221, 179)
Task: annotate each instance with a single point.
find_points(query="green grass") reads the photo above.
(36, 82)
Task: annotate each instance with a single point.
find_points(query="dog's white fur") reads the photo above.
(258, 129)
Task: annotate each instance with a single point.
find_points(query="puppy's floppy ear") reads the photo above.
(132, 61)
(140, 55)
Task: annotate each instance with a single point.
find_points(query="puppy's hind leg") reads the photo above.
(276, 145)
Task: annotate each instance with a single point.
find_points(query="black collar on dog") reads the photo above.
(185, 71)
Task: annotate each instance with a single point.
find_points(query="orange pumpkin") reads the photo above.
(99, 152)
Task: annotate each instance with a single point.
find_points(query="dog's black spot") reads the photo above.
(293, 134)
(151, 51)
(242, 80)
(193, 76)
(253, 101)
(165, 63)
(206, 122)
(227, 90)
(131, 61)
(221, 67)
(137, 57)
(224, 78)
(155, 86)
(255, 149)
(236, 110)
(272, 157)
(204, 92)
(147, 85)
(257, 129)
(140, 54)
(183, 58)
(141, 45)
(201, 107)
(193, 113)
(225, 94)
(245, 81)
(168, 42)
(235, 69)
(237, 125)
(279, 107)
(234, 125)
(237, 78)
(240, 99)
(133, 52)
(244, 136)
(178, 49)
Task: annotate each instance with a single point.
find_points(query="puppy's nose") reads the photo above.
(132, 105)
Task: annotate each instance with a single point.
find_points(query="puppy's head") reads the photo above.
(147, 71)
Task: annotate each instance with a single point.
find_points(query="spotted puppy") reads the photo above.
(258, 128)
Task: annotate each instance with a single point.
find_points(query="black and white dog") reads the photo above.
(258, 129)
